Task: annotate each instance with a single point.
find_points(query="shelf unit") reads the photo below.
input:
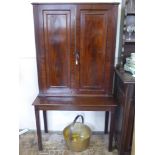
(124, 89)
(127, 41)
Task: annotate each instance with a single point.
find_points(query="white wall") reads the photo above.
(57, 120)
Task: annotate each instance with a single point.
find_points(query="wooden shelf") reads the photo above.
(129, 41)
(130, 13)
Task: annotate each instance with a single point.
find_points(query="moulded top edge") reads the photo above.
(35, 3)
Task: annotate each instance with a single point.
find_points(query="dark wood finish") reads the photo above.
(62, 31)
(45, 121)
(125, 84)
(57, 43)
(54, 31)
(125, 94)
(95, 44)
(38, 128)
(93, 35)
(75, 46)
(112, 127)
(72, 103)
(106, 122)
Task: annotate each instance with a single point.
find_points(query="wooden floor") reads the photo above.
(54, 144)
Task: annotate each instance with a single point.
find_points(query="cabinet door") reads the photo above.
(55, 29)
(95, 44)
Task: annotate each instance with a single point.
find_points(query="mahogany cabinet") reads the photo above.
(75, 49)
(124, 118)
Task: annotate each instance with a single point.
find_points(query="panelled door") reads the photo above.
(75, 48)
(55, 24)
(96, 47)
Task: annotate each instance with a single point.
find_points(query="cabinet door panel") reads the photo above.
(92, 49)
(57, 39)
(96, 46)
(55, 34)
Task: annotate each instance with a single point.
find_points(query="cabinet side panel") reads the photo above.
(39, 49)
(110, 48)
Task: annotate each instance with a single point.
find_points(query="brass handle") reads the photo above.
(75, 120)
(76, 58)
(71, 128)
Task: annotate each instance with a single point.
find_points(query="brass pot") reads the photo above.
(77, 135)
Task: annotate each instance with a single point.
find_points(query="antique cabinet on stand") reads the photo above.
(75, 48)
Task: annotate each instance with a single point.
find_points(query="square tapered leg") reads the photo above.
(45, 121)
(112, 129)
(38, 128)
(106, 122)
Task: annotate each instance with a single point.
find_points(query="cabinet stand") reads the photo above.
(75, 103)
